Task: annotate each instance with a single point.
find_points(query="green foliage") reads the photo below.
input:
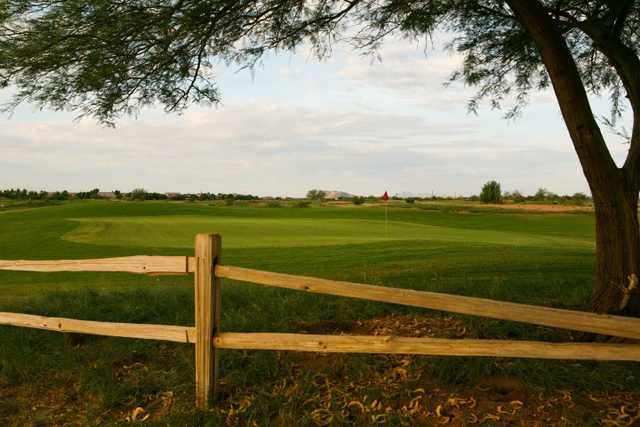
(273, 204)
(358, 200)
(18, 194)
(93, 194)
(316, 194)
(514, 196)
(543, 194)
(60, 195)
(302, 204)
(580, 199)
(111, 58)
(491, 193)
(138, 194)
(410, 200)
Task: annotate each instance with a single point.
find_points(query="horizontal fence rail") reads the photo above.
(427, 346)
(131, 264)
(624, 327)
(207, 337)
(184, 334)
(336, 343)
(618, 326)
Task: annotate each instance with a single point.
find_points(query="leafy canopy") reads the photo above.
(491, 192)
(109, 58)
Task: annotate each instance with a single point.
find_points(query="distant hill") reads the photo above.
(335, 195)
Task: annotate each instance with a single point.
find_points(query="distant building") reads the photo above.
(336, 195)
(173, 196)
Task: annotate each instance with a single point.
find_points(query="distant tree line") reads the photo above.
(23, 194)
(137, 194)
(491, 193)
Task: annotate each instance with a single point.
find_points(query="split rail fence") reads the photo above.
(208, 339)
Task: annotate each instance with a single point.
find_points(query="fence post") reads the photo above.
(207, 316)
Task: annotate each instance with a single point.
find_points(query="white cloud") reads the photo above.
(345, 124)
(266, 149)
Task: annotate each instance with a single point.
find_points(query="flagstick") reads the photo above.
(386, 218)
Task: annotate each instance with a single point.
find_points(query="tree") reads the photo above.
(491, 193)
(515, 196)
(111, 58)
(138, 194)
(315, 194)
(541, 194)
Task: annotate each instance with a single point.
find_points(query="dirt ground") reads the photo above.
(403, 392)
(543, 208)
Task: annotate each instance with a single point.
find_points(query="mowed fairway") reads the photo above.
(178, 232)
(544, 259)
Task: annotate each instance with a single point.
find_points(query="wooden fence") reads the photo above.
(208, 339)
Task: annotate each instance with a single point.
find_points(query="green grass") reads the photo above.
(536, 258)
(171, 232)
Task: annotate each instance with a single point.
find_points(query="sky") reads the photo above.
(350, 122)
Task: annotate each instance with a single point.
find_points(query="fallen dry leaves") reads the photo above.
(400, 394)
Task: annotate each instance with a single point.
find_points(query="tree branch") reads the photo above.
(595, 158)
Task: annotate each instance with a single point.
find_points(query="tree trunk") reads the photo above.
(614, 190)
(617, 252)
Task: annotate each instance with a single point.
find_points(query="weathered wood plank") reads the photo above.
(132, 264)
(207, 315)
(428, 346)
(183, 334)
(627, 327)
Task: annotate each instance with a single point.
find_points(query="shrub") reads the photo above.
(274, 204)
(358, 200)
(302, 204)
(138, 194)
(315, 194)
(516, 196)
(544, 194)
(580, 198)
(491, 192)
(229, 201)
(410, 200)
(541, 194)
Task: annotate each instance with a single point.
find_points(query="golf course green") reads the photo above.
(529, 257)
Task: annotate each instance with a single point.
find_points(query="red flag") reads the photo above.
(385, 196)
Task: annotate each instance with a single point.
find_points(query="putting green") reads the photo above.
(178, 231)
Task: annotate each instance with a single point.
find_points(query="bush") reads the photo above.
(315, 194)
(358, 200)
(544, 194)
(410, 200)
(491, 192)
(302, 204)
(541, 194)
(138, 194)
(229, 201)
(515, 196)
(579, 199)
(274, 204)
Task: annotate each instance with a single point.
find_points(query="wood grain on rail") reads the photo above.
(185, 334)
(428, 346)
(626, 327)
(132, 264)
